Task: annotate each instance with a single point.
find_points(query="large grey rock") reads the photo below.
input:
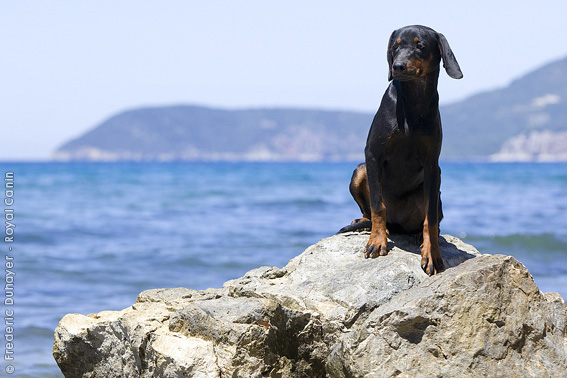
(332, 313)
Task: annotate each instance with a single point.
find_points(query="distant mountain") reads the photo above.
(525, 121)
(198, 133)
(530, 108)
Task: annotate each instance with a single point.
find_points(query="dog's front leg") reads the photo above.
(378, 241)
(431, 261)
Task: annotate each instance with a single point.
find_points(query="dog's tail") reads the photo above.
(365, 225)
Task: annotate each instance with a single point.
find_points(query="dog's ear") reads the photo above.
(449, 60)
(390, 55)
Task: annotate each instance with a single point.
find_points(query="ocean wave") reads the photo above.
(546, 243)
(543, 254)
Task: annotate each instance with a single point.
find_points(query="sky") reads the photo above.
(65, 66)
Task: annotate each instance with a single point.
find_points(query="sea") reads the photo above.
(89, 237)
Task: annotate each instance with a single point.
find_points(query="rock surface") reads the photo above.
(332, 313)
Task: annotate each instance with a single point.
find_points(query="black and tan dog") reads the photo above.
(398, 187)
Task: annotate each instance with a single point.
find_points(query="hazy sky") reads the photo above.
(66, 66)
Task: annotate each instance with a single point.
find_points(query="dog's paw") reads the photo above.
(376, 248)
(431, 264)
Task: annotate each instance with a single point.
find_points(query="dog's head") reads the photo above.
(416, 51)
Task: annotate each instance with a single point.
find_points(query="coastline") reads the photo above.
(491, 159)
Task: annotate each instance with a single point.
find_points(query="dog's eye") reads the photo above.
(420, 46)
(395, 46)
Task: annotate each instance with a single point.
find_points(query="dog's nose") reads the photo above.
(399, 67)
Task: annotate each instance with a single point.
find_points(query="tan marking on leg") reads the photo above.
(431, 260)
(378, 242)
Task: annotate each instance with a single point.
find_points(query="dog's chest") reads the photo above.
(405, 147)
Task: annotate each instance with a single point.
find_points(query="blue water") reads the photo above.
(90, 237)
